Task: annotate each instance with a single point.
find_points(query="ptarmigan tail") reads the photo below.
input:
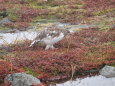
(31, 45)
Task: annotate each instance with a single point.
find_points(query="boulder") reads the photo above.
(21, 79)
(108, 71)
(4, 21)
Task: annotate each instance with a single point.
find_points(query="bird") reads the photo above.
(50, 36)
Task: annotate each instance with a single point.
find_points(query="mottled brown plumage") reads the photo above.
(50, 36)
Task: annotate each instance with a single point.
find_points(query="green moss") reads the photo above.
(4, 28)
(113, 43)
(12, 14)
(102, 22)
(101, 12)
(113, 65)
(29, 71)
(103, 26)
(50, 18)
(1, 17)
(2, 54)
(34, 5)
(55, 72)
(110, 43)
(36, 19)
(3, 14)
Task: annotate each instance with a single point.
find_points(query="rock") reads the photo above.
(108, 71)
(4, 21)
(112, 27)
(21, 79)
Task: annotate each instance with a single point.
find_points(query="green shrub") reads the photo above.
(12, 14)
(29, 71)
(101, 12)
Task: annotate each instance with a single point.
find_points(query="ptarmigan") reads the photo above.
(49, 36)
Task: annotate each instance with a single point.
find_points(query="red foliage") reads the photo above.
(108, 36)
(99, 4)
(26, 13)
(4, 1)
(18, 25)
(7, 68)
(4, 7)
(42, 75)
(87, 50)
(14, 1)
(42, 84)
(65, 2)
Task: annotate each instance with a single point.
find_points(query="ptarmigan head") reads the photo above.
(49, 36)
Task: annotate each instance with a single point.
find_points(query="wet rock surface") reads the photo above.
(21, 79)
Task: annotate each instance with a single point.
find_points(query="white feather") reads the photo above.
(50, 41)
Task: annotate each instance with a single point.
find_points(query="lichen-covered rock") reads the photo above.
(21, 79)
(108, 71)
(4, 21)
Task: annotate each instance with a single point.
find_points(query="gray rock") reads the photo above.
(112, 26)
(4, 21)
(108, 71)
(21, 79)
